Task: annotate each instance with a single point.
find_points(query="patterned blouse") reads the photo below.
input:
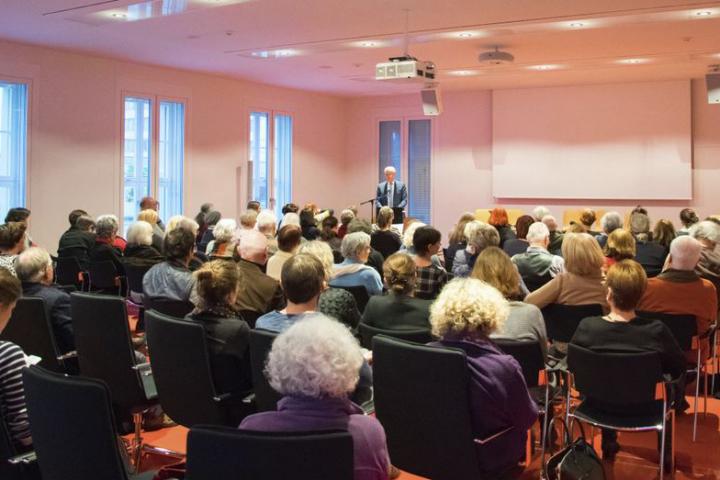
(430, 280)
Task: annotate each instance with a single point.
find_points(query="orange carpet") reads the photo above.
(637, 458)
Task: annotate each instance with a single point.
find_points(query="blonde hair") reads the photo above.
(216, 281)
(400, 273)
(494, 267)
(149, 216)
(467, 307)
(620, 245)
(582, 255)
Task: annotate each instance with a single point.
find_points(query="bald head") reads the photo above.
(684, 253)
(253, 247)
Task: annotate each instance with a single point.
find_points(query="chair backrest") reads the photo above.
(266, 397)
(72, 426)
(67, 271)
(104, 347)
(367, 332)
(421, 398)
(167, 306)
(250, 316)
(615, 378)
(181, 369)
(561, 321)
(528, 353)
(682, 326)
(268, 455)
(361, 296)
(135, 274)
(30, 329)
(102, 275)
(533, 282)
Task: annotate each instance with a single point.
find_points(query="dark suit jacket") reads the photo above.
(76, 243)
(102, 252)
(258, 292)
(399, 197)
(397, 312)
(651, 256)
(57, 308)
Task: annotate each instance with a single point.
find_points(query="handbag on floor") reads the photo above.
(576, 459)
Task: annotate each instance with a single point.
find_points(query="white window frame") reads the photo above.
(28, 82)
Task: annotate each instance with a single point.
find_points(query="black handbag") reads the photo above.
(576, 460)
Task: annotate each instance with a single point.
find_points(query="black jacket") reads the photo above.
(397, 312)
(76, 243)
(141, 255)
(101, 252)
(57, 308)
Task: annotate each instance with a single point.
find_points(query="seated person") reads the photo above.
(649, 254)
(499, 219)
(320, 401)
(525, 321)
(464, 315)
(179, 221)
(688, 218)
(222, 245)
(288, 241)
(211, 219)
(334, 302)
(375, 259)
(609, 222)
(172, 279)
(227, 334)
(258, 292)
(21, 215)
(78, 239)
(139, 250)
(106, 229)
(457, 240)
(346, 216)
(353, 272)
(621, 331)
(679, 289)
(432, 277)
(384, 239)
(12, 362)
(158, 234)
(267, 225)
(12, 242)
(329, 235)
(619, 245)
(398, 310)
(35, 271)
(520, 244)
(707, 233)
(479, 235)
(556, 236)
(537, 265)
(664, 233)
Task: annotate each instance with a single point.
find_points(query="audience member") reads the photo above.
(708, 234)
(288, 242)
(556, 236)
(479, 236)
(688, 218)
(375, 259)
(525, 321)
(411, 225)
(223, 243)
(139, 251)
(621, 331)
(12, 363)
(78, 239)
(152, 217)
(519, 244)
(200, 219)
(609, 222)
(385, 239)
(211, 219)
(334, 302)
(227, 334)
(537, 265)
(457, 240)
(648, 253)
(289, 208)
(314, 365)
(290, 218)
(308, 223)
(431, 276)
(21, 215)
(258, 292)
(12, 243)
(540, 212)
(35, 270)
(253, 205)
(619, 245)
(499, 220)
(104, 250)
(267, 225)
(149, 203)
(353, 272)
(664, 233)
(587, 220)
(465, 314)
(180, 221)
(398, 310)
(248, 220)
(346, 216)
(329, 235)
(172, 279)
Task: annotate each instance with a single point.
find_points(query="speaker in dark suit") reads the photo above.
(392, 193)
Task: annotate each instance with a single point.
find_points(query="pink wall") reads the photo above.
(74, 148)
(462, 162)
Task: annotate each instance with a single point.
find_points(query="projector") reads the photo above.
(496, 57)
(405, 68)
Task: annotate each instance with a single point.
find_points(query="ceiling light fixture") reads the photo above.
(465, 35)
(118, 15)
(463, 73)
(704, 13)
(543, 67)
(632, 61)
(577, 25)
(368, 44)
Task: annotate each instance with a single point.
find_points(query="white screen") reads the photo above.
(625, 141)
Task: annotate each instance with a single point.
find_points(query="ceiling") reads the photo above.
(332, 46)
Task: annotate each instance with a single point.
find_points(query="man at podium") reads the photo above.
(391, 193)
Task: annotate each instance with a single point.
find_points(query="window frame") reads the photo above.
(29, 123)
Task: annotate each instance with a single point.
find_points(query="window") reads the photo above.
(13, 145)
(411, 155)
(153, 156)
(270, 170)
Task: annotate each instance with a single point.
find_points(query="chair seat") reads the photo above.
(650, 420)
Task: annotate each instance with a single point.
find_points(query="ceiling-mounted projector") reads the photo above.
(496, 57)
(405, 68)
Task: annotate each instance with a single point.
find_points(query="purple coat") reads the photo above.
(499, 399)
(307, 414)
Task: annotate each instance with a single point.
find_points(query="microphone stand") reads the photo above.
(372, 208)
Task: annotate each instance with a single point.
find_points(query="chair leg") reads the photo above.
(697, 395)
(137, 441)
(705, 376)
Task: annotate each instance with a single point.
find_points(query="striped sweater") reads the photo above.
(12, 394)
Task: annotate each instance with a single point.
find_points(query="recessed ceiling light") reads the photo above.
(118, 15)
(463, 73)
(632, 61)
(543, 67)
(704, 13)
(465, 34)
(577, 25)
(368, 44)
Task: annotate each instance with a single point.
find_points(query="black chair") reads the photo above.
(104, 277)
(30, 329)
(268, 455)
(561, 321)
(533, 282)
(616, 380)
(105, 352)
(72, 425)
(250, 316)
(684, 329)
(13, 464)
(134, 275)
(361, 296)
(167, 306)
(367, 332)
(182, 373)
(266, 397)
(421, 398)
(69, 272)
